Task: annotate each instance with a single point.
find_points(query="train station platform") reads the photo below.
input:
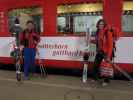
(58, 87)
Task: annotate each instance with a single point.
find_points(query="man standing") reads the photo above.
(28, 42)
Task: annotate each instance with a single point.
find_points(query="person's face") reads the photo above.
(101, 25)
(30, 26)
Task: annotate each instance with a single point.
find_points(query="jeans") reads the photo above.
(29, 61)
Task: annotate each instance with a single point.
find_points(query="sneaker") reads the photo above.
(104, 84)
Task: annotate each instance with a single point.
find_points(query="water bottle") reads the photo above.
(84, 78)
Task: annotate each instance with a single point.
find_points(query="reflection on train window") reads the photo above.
(77, 18)
(127, 21)
(21, 16)
(127, 18)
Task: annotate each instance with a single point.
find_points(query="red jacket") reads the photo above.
(29, 40)
(105, 42)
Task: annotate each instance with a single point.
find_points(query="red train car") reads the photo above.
(62, 25)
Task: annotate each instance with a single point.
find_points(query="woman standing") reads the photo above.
(28, 41)
(104, 47)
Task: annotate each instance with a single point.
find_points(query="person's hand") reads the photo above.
(21, 47)
(107, 59)
(93, 41)
(35, 41)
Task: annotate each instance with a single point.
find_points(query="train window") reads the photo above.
(77, 18)
(22, 15)
(127, 18)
